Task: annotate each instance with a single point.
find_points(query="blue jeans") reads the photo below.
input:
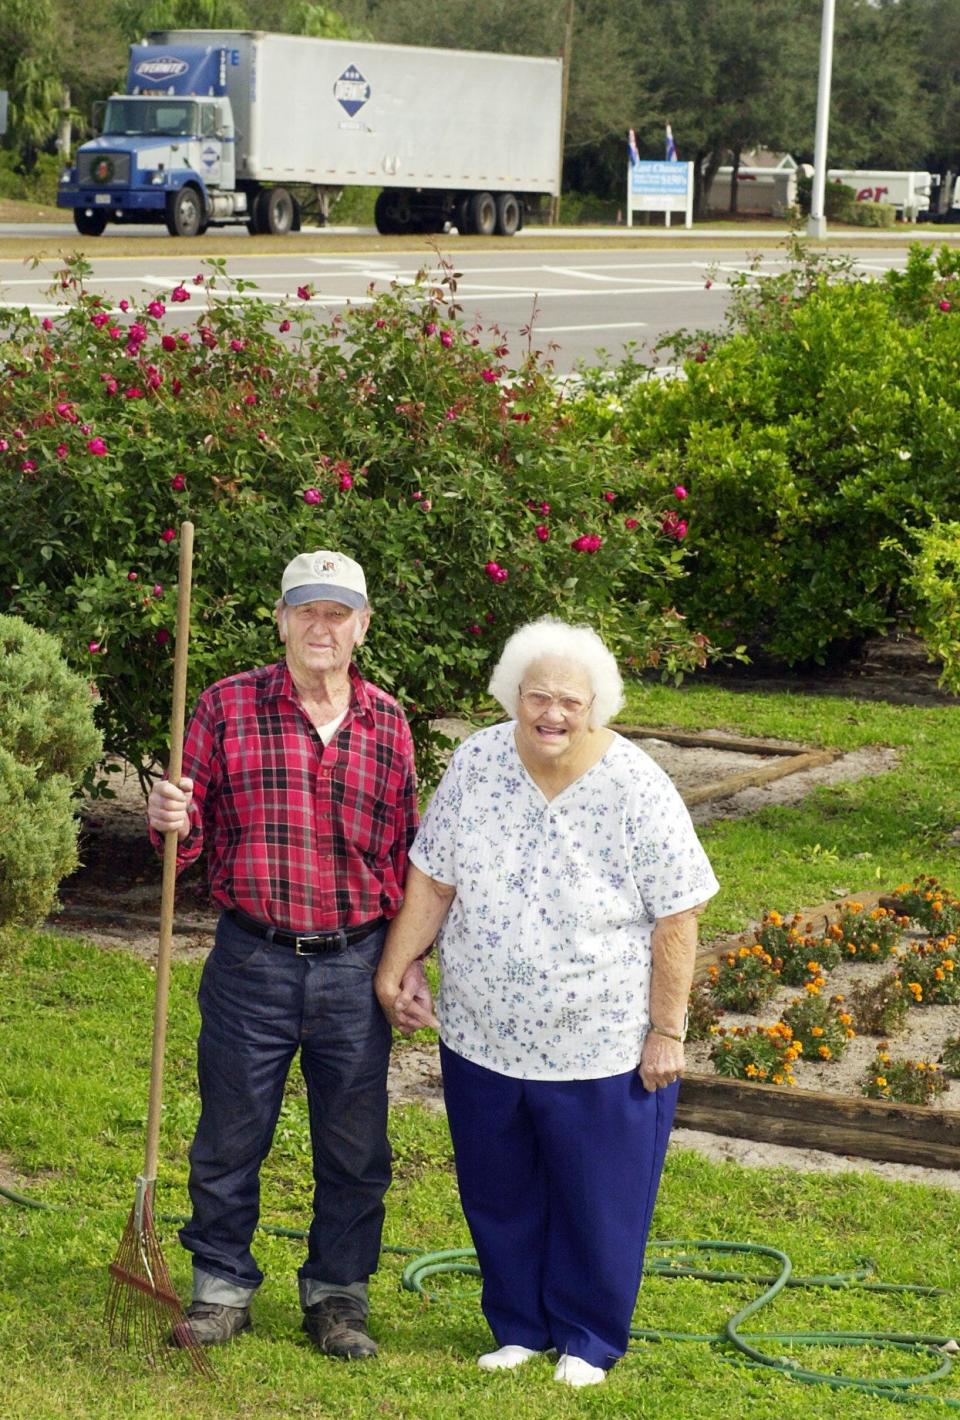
(259, 1005)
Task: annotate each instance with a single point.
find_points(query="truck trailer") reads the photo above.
(223, 127)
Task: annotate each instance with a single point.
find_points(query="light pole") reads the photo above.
(817, 222)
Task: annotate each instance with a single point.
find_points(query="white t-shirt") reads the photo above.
(545, 952)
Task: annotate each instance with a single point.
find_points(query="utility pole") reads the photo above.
(817, 221)
(565, 89)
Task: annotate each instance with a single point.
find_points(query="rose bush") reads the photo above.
(462, 482)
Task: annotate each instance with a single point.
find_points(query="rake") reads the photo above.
(143, 1311)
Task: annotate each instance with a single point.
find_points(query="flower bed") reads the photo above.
(872, 998)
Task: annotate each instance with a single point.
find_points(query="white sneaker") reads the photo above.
(506, 1358)
(573, 1370)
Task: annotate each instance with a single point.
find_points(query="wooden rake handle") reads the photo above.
(170, 842)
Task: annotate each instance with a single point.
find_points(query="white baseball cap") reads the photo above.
(324, 577)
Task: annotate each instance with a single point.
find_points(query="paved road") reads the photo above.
(579, 301)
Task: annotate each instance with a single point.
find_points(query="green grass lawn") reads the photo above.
(74, 1057)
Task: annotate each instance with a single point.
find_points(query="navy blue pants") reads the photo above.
(259, 1005)
(558, 1180)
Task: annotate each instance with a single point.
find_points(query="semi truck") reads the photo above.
(222, 127)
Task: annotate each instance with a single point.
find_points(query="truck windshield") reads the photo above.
(171, 118)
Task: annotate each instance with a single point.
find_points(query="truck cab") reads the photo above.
(166, 152)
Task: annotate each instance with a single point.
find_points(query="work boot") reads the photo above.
(211, 1324)
(337, 1326)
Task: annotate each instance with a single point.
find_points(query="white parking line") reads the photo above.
(613, 325)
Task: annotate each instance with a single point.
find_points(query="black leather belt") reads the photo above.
(304, 943)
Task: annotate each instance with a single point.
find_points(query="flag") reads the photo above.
(671, 146)
(632, 148)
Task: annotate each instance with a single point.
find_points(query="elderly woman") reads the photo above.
(559, 869)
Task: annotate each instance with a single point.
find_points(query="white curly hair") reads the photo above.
(554, 638)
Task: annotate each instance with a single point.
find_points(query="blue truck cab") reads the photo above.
(166, 152)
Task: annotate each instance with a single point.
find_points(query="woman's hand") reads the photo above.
(661, 1061)
(407, 1003)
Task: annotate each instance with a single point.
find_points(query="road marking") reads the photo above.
(613, 325)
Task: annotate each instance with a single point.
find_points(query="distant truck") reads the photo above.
(908, 192)
(217, 126)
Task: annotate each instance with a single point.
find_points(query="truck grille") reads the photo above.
(103, 169)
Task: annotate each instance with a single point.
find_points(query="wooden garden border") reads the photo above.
(807, 1119)
(791, 760)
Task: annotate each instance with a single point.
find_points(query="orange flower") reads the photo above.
(824, 1052)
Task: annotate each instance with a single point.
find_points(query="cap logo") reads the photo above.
(324, 564)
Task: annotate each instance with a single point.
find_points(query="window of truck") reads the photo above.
(167, 118)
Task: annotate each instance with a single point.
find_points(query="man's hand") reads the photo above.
(661, 1061)
(408, 1005)
(168, 807)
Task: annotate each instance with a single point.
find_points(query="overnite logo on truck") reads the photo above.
(351, 90)
(166, 68)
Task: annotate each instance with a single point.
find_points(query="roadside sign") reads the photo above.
(660, 187)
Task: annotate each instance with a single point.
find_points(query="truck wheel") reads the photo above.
(462, 214)
(509, 214)
(483, 214)
(185, 213)
(89, 224)
(275, 210)
(385, 214)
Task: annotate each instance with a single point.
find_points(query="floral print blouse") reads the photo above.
(545, 951)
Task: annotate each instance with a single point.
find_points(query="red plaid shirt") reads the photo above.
(298, 835)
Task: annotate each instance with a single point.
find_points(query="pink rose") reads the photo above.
(680, 492)
(28, 466)
(124, 305)
(99, 319)
(237, 345)
(114, 332)
(4, 445)
(542, 532)
(93, 647)
(178, 483)
(474, 629)
(609, 496)
(283, 327)
(198, 279)
(47, 323)
(157, 589)
(162, 636)
(305, 292)
(426, 505)
(66, 411)
(179, 294)
(132, 576)
(169, 342)
(97, 447)
(380, 324)
(587, 542)
(489, 376)
(62, 451)
(249, 399)
(630, 524)
(545, 509)
(430, 328)
(945, 304)
(168, 535)
(156, 309)
(346, 482)
(134, 392)
(446, 339)
(312, 495)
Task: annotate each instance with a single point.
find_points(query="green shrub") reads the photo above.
(907, 1081)
(871, 214)
(934, 579)
(816, 437)
(744, 980)
(880, 1009)
(48, 741)
(391, 431)
(36, 184)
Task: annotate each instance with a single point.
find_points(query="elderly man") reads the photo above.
(300, 785)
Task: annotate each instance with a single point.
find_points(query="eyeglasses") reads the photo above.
(537, 701)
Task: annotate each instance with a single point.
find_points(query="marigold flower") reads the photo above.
(824, 1052)
(880, 1080)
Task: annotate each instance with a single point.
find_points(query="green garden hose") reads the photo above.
(462, 1261)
